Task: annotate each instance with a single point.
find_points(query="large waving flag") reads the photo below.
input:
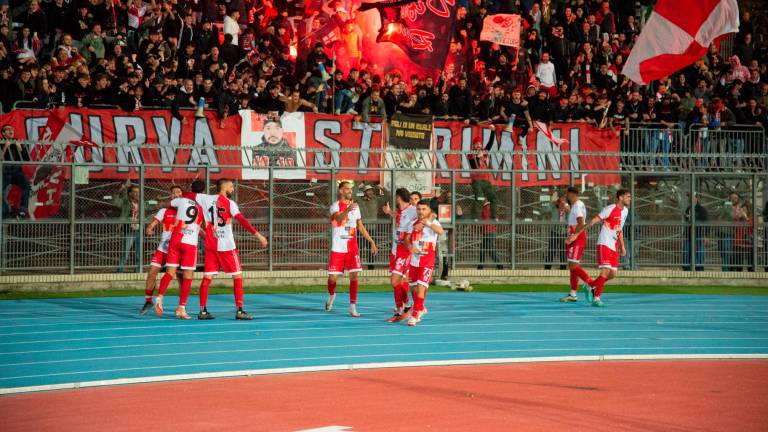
(422, 29)
(677, 34)
(47, 181)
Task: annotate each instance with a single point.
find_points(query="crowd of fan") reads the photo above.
(172, 54)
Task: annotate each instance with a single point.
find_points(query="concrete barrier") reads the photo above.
(299, 278)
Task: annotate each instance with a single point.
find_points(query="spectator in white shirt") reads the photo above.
(545, 73)
(231, 26)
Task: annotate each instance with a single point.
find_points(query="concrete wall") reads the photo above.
(132, 281)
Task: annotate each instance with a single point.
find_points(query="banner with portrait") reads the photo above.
(267, 141)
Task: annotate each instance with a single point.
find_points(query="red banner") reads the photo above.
(326, 133)
(187, 142)
(178, 147)
(537, 161)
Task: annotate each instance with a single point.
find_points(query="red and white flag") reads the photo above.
(47, 181)
(503, 29)
(543, 128)
(677, 34)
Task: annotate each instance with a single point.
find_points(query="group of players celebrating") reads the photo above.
(412, 258)
(187, 216)
(410, 262)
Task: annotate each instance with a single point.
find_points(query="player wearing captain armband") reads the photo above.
(220, 249)
(610, 244)
(346, 221)
(166, 217)
(400, 257)
(423, 243)
(182, 248)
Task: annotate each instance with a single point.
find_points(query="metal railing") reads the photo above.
(86, 234)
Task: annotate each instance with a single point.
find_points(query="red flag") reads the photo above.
(47, 181)
(672, 40)
(543, 128)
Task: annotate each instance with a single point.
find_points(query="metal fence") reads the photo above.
(86, 234)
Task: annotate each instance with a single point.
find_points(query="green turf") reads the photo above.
(705, 290)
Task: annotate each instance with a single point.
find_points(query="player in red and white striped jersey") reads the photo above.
(166, 217)
(577, 216)
(182, 248)
(346, 222)
(400, 256)
(220, 249)
(423, 244)
(610, 244)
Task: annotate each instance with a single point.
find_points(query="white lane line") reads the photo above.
(388, 344)
(411, 354)
(381, 365)
(573, 313)
(322, 337)
(602, 325)
(544, 304)
(319, 318)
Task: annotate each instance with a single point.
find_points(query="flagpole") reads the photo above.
(333, 83)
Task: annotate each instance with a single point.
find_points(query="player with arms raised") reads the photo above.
(220, 249)
(610, 244)
(400, 257)
(346, 222)
(423, 242)
(166, 217)
(182, 248)
(577, 216)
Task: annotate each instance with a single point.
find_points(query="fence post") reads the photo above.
(513, 221)
(2, 225)
(692, 215)
(392, 193)
(72, 215)
(754, 223)
(331, 198)
(450, 241)
(270, 221)
(142, 213)
(634, 224)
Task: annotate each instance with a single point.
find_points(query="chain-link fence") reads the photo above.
(509, 223)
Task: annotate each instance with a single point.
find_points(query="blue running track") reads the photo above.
(65, 342)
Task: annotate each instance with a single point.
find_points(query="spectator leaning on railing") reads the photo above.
(13, 175)
(482, 188)
(701, 216)
(743, 239)
(127, 200)
(729, 213)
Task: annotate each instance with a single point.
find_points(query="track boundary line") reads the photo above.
(374, 365)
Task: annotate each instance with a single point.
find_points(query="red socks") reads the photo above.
(204, 285)
(579, 273)
(404, 292)
(164, 282)
(148, 293)
(574, 281)
(418, 302)
(353, 286)
(398, 296)
(238, 292)
(599, 284)
(401, 294)
(186, 287)
(331, 287)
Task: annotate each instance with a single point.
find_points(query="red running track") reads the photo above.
(668, 396)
